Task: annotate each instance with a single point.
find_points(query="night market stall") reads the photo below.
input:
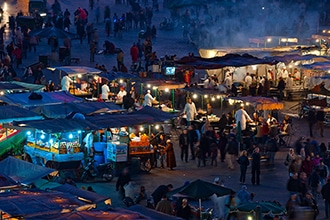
(54, 143)
(83, 80)
(12, 139)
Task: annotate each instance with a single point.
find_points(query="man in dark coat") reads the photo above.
(192, 139)
(160, 192)
(325, 192)
(311, 118)
(183, 143)
(255, 166)
(123, 179)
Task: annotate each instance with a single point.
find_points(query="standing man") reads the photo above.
(325, 192)
(320, 117)
(242, 116)
(105, 92)
(280, 88)
(120, 59)
(148, 99)
(192, 140)
(231, 151)
(256, 166)
(92, 50)
(190, 111)
(183, 143)
(120, 96)
(65, 82)
(311, 118)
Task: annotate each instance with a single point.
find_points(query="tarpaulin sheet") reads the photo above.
(117, 75)
(22, 99)
(22, 171)
(76, 70)
(63, 109)
(91, 196)
(11, 113)
(36, 202)
(156, 114)
(152, 214)
(119, 120)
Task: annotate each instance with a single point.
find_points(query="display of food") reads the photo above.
(5, 133)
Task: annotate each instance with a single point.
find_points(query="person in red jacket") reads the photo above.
(134, 53)
(307, 166)
(18, 56)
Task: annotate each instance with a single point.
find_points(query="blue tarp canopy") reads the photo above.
(156, 114)
(48, 98)
(76, 70)
(152, 214)
(321, 66)
(22, 171)
(234, 60)
(117, 75)
(86, 108)
(6, 181)
(203, 91)
(294, 57)
(33, 203)
(91, 196)
(11, 113)
(55, 125)
(20, 86)
(93, 215)
(119, 120)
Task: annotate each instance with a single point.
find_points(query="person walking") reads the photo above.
(311, 118)
(170, 156)
(192, 140)
(256, 166)
(243, 162)
(120, 59)
(272, 148)
(183, 143)
(231, 151)
(325, 192)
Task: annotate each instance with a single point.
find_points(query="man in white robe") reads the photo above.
(242, 116)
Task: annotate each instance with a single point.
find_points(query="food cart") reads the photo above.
(53, 143)
(11, 139)
(82, 77)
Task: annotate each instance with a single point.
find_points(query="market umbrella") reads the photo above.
(265, 207)
(200, 189)
(52, 32)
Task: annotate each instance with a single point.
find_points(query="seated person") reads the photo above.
(285, 130)
(271, 118)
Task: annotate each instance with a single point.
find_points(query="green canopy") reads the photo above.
(265, 207)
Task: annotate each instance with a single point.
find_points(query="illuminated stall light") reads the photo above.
(149, 86)
(247, 103)
(254, 67)
(231, 101)
(205, 96)
(213, 99)
(79, 132)
(218, 97)
(157, 127)
(121, 81)
(79, 75)
(141, 128)
(28, 132)
(154, 88)
(70, 136)
(167, 90)
(324, 31)
(269, 40)
(51, 141)
(2, 93)
(42, 136)
(194, 96)
(242, 104)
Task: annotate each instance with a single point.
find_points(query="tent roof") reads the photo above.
(48, 98)
(117, 75)
(55, 125)
(37, 202)
(203, 91)
(162, 84)
(118, 120)
(91, 196)
(234, 60)
(152, 214)
(22, 171)
(156, 114)
(294, 57)
(10, 86)
(260, 103)
(322, 66)
(75, 70)
(11, 113)
(61, 110)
